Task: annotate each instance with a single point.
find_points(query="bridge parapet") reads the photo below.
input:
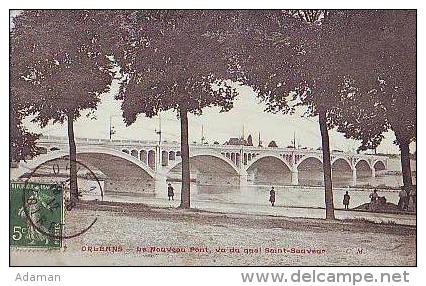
(167, 155)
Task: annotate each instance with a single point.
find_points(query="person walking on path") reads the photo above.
(170, 192)
(402, 204)
(346, 199)
(413, 195)
(272, 196)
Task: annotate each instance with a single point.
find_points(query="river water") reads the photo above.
(285, 195)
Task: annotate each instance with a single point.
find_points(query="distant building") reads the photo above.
(236, 141)
(273, 144)
(240, 141)
(249, 140)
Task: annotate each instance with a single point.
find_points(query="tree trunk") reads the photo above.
(326, 164)
(404, 147)
(184, 151)
(72, 160)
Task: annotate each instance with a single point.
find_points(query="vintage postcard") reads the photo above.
(213, 138)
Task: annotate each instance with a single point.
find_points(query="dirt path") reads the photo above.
(263, 221)
(158, 236)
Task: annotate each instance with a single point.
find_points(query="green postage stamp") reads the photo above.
(36, 215)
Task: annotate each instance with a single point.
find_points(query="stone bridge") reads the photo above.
(148, 163)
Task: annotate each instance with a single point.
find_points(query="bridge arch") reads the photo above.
(143, 156)
(337, 158)
(86, 150)
(309, 157)
(134, 153)
(198, 153)
(364, 172)
(257, 158)
(341, 172)
(121, 173)
(172, 156)
(151, 157)
(270, 169)
(206, 167)
(310, 171)
(362, 163)
(379, 165)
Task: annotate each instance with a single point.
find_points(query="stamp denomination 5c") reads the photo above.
(36, 215)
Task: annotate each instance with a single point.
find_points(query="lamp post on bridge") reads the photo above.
(240, 163)
(294, 171)
(160, 178)
(158, 149)
(111, 128)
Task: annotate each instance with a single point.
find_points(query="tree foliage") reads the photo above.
(170, 58)
(59, 63)
(267, 53)
(22, 142)
(381, 93)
